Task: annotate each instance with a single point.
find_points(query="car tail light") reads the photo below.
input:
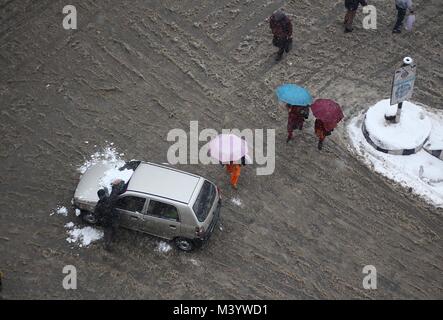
(200, 231)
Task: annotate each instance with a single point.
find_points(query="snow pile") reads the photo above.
(163, 247)
(112, 159)
(108, 155)
(421, 172)
(62, 210)
(236, 201)
(412, 130)
(113, 174)
(82, 236)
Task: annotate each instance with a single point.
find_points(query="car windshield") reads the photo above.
(129, 165)
(204, 201)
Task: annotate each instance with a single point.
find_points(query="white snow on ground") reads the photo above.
(195, 262)
(83, 237)
(412, 130)
(236, 201)
(60, 210)
(435, 141)
(422, 172)
(69, 225)
(77, 212)
(163, 247)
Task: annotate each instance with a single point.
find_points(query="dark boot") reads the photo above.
(288, 46)
(279, 55)
(320, 145)
(289, 138)
(349, 20)
(401, 14)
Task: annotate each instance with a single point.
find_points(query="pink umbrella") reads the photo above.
(228, 147)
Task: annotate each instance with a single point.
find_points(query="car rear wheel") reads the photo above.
(184, 244)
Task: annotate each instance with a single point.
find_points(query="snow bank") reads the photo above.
(411, 132)
(421, 171)
(83, 237)
(435, 141)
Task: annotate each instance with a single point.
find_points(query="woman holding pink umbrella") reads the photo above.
(232, 151)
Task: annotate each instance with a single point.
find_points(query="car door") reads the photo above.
(161, 219)
(130, 209)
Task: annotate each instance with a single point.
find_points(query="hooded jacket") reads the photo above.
(280, 25)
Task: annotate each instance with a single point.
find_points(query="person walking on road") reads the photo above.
(281, 28)
(402, 8)
(352, 6)
(321, 132)
(296, 118)
(328, 114)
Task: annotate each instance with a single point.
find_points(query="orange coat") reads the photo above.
(234, 170)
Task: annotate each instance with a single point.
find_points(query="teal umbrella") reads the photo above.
(294, 95)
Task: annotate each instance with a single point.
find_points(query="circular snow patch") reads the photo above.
(411, 132)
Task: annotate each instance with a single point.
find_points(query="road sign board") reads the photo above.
(403, 84)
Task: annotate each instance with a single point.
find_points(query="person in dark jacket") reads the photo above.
(104, 213)
(402, 7)
(296, 118)
(281, 28)
(352, 6)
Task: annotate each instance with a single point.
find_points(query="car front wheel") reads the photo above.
(184, 244)
(89, 217)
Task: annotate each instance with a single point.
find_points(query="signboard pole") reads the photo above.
(398, 114)
(400, 104)
(402, 87)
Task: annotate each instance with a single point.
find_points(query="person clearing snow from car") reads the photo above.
(106, 213)
(281, 27)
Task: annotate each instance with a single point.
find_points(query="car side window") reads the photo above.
(162, 210)
(131, 203)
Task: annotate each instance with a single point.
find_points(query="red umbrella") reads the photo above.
(327, 111)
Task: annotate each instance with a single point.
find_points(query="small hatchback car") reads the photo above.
(158, 200)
